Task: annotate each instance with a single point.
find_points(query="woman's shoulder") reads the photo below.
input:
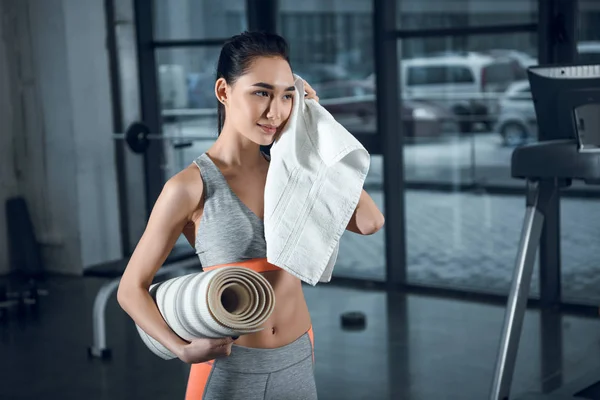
(185, 188)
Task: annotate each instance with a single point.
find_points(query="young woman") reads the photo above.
(217, 203)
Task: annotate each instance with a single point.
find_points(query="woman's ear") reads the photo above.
(221, 90)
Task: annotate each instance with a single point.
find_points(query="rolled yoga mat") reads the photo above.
(227, 301)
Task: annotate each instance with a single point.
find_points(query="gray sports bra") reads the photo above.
(229, 231)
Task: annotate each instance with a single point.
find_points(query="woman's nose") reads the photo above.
(274, 110)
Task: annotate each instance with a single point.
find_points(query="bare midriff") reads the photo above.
(290, 318)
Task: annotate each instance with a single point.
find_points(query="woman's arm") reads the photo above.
(170, 214)
(367, 219)
(174, 208)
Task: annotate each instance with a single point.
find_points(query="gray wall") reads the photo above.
(56, 146)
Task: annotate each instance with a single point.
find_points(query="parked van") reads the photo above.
(468, 84)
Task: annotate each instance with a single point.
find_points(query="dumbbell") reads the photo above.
(23, 301)
(30, 298)
(138, 137)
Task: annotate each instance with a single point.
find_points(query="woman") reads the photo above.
(217, 203)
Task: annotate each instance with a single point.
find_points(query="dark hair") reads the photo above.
(237, 56)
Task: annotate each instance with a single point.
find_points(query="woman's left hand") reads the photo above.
(310, 92)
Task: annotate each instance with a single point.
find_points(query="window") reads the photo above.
(198, 19)
(454, 238)
(460, 74)
(186, 77)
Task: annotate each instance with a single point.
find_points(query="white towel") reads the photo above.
(315, 179)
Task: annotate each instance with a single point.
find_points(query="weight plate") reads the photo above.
(353, 320)
(136, 137)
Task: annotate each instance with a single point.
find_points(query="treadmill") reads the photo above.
(567, 106)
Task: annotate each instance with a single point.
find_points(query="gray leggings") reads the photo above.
(284, 373)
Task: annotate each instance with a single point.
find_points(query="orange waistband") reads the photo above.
(256, 265)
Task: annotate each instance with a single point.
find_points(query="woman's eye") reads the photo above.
(261, 93)
(289, 96)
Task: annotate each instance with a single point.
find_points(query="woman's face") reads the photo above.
(259, 103)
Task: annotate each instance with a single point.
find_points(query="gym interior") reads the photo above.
(480, 117)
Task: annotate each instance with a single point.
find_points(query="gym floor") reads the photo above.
(413, 347)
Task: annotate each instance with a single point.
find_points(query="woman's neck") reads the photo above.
(235, 150)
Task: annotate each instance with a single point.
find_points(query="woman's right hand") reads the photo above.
(202, 350)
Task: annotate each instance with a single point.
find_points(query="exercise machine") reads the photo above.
(567, 107)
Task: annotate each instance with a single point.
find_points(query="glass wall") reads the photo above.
(471, 107)
(331, 46)
(473, 88)
(465, 106)
(471, 104)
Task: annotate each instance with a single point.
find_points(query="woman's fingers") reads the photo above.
(310, 92)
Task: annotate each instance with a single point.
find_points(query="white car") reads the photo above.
(517, 122)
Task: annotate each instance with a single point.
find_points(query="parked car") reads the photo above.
(516, 115)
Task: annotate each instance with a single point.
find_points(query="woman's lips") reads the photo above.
(269, 129)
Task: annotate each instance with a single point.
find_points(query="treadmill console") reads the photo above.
(567, 103)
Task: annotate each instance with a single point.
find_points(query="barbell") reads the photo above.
(138, 137)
